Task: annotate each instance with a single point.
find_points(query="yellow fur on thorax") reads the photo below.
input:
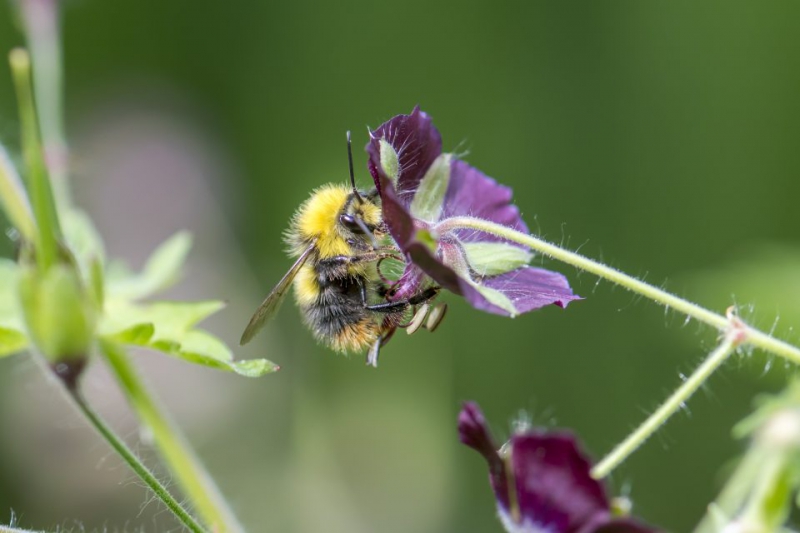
(317, 219)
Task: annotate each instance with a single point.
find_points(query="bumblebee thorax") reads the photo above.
(319, 220)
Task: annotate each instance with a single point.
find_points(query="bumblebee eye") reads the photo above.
(350, 222)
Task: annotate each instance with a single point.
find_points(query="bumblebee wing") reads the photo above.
(273, 301)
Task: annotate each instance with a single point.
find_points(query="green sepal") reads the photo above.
(428, 201)
(427, 238)
(390, 163)
(497, 298)
(494, 258)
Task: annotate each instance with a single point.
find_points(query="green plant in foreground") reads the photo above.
(65, 301)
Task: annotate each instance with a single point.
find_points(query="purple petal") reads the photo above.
(528, 288)
(472, 193)
(417, 143)
(554, 487)
(617, 525)
(473, 431)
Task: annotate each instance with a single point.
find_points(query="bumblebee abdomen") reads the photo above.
(332, 308)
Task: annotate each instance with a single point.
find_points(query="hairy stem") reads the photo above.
(751, 335)
(136, 464)
(671, 406)
(189, 472)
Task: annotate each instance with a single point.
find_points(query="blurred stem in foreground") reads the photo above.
(61, 315)
(41, 21)
(758, 496)
(194, 481)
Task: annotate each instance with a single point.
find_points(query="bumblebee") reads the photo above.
(336, 236)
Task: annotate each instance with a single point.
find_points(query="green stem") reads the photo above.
(44, 41)
(674, 403)
(136, 464)
(752, 336)
(38, 183)
(193, 479)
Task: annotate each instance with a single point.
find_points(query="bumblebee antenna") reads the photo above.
(352, 175)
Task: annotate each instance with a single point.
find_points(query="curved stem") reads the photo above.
(192, 477)
(751, 335)
(135, 463)
(676, 400)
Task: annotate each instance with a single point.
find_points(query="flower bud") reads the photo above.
(59, 314)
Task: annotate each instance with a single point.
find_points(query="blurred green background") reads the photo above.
(661, 137)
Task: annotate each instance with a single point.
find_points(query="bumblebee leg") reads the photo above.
(392, 307)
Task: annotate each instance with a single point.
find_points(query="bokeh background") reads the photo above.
(660, 137)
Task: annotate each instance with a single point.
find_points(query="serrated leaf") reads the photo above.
(170, 319)
(168, 327)
(161, 271)
(140, 334)
(11, 341)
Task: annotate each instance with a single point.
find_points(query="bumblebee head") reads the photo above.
(338, 219)
(360, 217)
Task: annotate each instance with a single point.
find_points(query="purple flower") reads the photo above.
(422, 190)
(542, 482)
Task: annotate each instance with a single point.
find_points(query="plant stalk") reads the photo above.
(671, 406)
(135, 463)
(38, 183)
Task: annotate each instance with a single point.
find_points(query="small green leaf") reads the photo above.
(425, 237)
(428, 201)
(11, 341)
(161, 271)
(83, 240)
(494, 258)
(389, 160)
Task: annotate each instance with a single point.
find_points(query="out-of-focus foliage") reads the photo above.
(660, 137)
